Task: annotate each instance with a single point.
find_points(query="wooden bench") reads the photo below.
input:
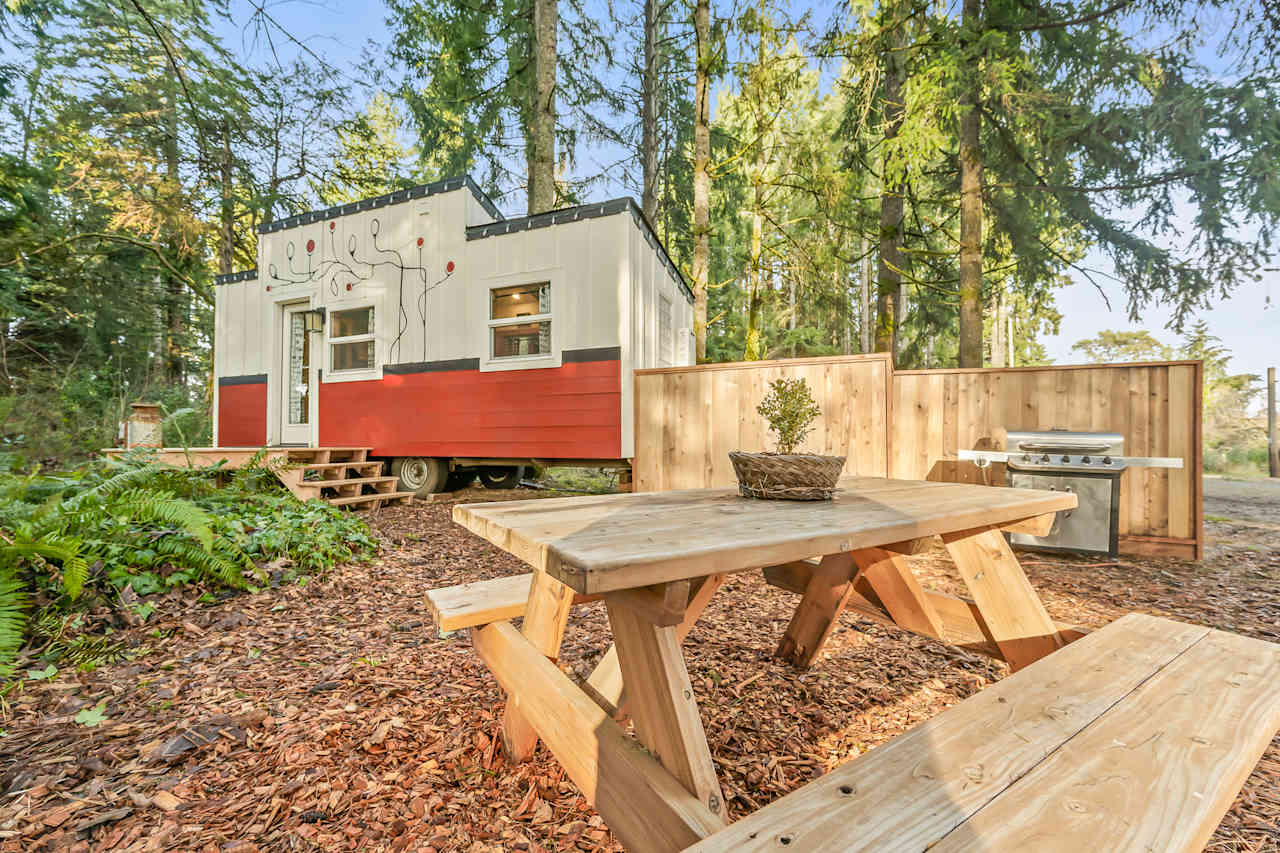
(469, 605)
(1136, 737)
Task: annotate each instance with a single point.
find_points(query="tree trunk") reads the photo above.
(701, 173)
(971, 206)
(889, 277)
(649, 113)
(998, 344)
(226, 230)
(542, 132)
(755, 275)
(175, 296)
(865, 321)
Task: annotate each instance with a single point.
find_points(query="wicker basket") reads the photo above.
(786, 476)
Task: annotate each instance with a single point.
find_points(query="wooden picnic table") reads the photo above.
(656, 559)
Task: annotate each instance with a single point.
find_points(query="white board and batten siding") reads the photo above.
(613, 294)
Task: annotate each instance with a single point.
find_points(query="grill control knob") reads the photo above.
(1026, 457)
(1044, 458)
(1106, 460)
(1085, 460)
(1065, 459)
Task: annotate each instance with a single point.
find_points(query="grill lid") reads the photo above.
(1064, 441)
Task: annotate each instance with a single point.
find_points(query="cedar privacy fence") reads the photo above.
(909, 424)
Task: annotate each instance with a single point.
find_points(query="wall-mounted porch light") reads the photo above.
(313, 320)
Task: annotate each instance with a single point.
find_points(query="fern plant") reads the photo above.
(84, 536)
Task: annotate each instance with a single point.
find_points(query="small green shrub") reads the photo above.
(790, 410)
(73, 540)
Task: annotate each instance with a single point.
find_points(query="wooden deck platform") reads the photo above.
(343, 476)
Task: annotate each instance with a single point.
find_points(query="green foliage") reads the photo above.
(91, 717)
(790, 409)
(1110, 347)
(80, 539)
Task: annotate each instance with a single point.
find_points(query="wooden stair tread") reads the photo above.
(324, 484)
(1138, 736)
(377, 496)
(330, 466)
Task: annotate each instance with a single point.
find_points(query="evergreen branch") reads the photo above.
(1082, 19)
(154, 248)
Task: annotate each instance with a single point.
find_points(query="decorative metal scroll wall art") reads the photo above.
(342, 275)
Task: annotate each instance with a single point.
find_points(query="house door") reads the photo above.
(298, 387)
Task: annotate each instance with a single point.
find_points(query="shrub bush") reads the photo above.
(75, 540)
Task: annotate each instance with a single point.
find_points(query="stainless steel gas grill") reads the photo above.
(1088, 464)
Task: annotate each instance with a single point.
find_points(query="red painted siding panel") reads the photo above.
(568, 412)
(242, 415)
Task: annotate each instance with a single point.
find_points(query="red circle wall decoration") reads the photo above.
(268, 288)
(311, 246)
(348, 285)
(449, 267)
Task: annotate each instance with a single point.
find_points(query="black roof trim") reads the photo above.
(233, 277)
(420, 191)
(576, 214)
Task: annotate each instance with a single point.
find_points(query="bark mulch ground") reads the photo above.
(328, 716)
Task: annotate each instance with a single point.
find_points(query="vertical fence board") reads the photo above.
(910, 425)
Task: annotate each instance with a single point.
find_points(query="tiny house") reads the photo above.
(448, 339)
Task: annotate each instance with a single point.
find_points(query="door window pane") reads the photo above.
(522, 339)
(353, 356)
(299, 370)
(524, 300)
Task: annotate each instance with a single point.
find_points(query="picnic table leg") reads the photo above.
(1009, 605)
(544, 622)
(661, 702)
(898, 590)
(825, 596)
(605, 686)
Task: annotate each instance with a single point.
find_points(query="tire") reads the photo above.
(500, 478)
(422, 475)
(459, 480)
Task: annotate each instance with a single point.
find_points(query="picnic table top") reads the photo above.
(602, 543)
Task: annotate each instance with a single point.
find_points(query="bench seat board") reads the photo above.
(479, 602)
(1156, 772)
(913, 791)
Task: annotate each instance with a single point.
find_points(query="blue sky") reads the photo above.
(1247, 323)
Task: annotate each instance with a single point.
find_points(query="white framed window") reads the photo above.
(666, 336)
(352, 343)
(520, 321)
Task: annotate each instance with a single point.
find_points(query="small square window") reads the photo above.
(520, 321)
(352, 345)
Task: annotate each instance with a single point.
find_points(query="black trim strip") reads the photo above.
(233, 277)
(250, 379)
(577, 214)
(420, 191)
(592, 354)
(433, 366)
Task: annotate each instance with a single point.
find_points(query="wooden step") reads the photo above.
(333, 466)
(373, 500)
(353, 481)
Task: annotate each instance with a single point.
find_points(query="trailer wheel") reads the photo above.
(500, 478)
(423, 475)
